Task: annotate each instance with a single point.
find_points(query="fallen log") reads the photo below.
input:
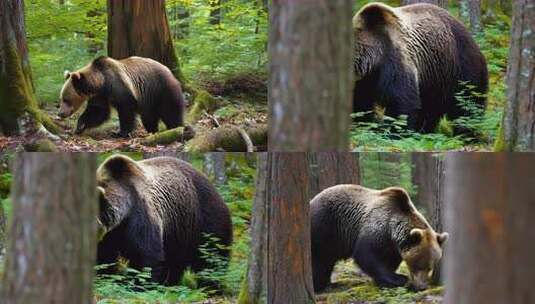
(169, 136)
(230, 139)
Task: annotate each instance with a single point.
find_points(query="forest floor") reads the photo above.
(237, 110)
(351, 285)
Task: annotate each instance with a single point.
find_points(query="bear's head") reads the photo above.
(118, 179)
(79, 86)
(375, 27)
(420, 246)
(423, 252)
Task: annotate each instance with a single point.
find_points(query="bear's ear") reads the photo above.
(415, 236)
(400, 197)
(120, 166)
(442, 238)
(375, 15)
(66, 74)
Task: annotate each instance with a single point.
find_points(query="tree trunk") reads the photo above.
(140, 28)
(16, 86)
(489, 213)
(52, 242)
(441, 3)
(289, 260)
(311, 78)
(519, 117)
(214, 167)
(428, 176)
(215, 12)
(331, 168)
(464, 10)
(474, 9)
(254, 287)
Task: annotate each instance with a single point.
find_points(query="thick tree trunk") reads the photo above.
(519, 118)
(52, 242)
(310, 50)
(474, 8)
(428, 177)
(140, 28)
(254, 287)
(289, 260)
(16, 86)
(489, 213)
(441, 3)
(332, 168)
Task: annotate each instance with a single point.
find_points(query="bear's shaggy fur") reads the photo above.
(378, 229)
(413, 60)
(132, 85)
(157, 213)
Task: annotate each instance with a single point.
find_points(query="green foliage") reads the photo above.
(237, 44)
(382, 170)
(133, 286)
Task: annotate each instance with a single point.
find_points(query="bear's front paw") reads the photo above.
(394, 280)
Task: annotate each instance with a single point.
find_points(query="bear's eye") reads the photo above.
(67, 101)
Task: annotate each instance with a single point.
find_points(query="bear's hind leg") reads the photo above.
(382, 272)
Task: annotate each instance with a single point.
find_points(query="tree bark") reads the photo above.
(52, 243)
(141, 28)
(331, 168)
(428, 176)
(474, 9)
(16, 85)
(489, 213)
(254, 287)
(311, 78)
(289, 260)
(519, 118)
(214, 167)
(441, 3)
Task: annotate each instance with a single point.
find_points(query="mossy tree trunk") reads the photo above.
(52, 242)
(289, 253)
(311, 75)
(519, 119)
(16, 86)
(141, 28)
(488, 201)
(332, 168)
(254, 285)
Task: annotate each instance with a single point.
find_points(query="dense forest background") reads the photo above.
(220, 57)
(233, 174)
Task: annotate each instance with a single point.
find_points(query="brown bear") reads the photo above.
(414, 60)
(378, 229)
(158, 213)
(132, 85)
